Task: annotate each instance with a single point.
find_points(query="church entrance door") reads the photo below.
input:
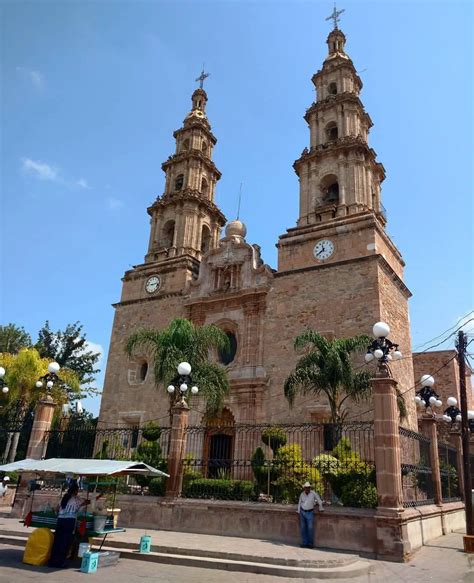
(220, 456)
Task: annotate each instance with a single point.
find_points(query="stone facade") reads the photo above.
(338, 271)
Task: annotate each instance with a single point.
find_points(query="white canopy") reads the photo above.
(82, 467)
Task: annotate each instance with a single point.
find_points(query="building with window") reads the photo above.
(338, 270)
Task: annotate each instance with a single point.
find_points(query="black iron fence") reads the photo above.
(417, 475)
(449, 472)
(14, 440)
(271, 462)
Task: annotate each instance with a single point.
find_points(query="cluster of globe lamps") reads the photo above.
(427, 397)
(384, 351)
(182, 381)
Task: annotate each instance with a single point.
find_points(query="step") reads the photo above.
(354, 568)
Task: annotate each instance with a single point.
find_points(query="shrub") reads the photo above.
(274, 437)
(328, 465)
(225, 489)
(151, 432)
(359, 494)
(156, 487)
(290, 472)
(260, 472)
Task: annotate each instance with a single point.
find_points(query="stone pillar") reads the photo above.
(41, 424)
(428, 426)
(457, 442)
(392, 540)
(177, 447)
(387, 443)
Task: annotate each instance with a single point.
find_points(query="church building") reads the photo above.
(338, 270)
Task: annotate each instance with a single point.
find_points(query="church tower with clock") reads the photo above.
(338, 270)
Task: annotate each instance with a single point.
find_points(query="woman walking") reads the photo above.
(66, 525)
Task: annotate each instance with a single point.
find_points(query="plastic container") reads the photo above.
(99, 522)
(90, 562)
(108, 559)
(83, 548)
(145, 544)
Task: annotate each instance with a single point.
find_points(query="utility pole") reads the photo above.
(461, 346)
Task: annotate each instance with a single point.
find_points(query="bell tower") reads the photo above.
(341, 216)
(185, 222)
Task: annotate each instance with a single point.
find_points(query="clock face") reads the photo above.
(323, 249)
(153, 284)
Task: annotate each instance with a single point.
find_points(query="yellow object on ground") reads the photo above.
(38, 548)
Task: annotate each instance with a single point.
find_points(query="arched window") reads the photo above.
(332, 89)
(168, 234)
(227, 356)
(330, 189)
(179, 182)
(205, 239)
(142, 370)
(204, 187)
(331, 131)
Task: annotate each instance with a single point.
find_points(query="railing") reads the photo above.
(417, 478)
(449, 472)
(85, 442)
(271, 462)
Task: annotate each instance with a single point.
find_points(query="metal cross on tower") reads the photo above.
(335, 16)
(201, 78)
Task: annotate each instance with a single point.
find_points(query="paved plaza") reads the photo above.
(440, 560)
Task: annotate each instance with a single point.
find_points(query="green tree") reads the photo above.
(326, 367)
(149, 452)
(182, 341)
(22, 372)
(69, 349)
(13, 338)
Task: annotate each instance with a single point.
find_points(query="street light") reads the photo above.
(426, 396)
(5, 389)
(50, 377)
(182, 382)
(382, 349)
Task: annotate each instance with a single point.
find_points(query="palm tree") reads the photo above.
(22, 372)
(182, 341)
(327, 368)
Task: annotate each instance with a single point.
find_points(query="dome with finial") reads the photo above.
(236, 229)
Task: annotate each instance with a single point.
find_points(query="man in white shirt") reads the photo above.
(4, 486)
(307, 502)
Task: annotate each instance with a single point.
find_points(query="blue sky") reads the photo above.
(92, 92)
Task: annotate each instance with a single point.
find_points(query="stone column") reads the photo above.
(41, 424)
(177, 447)
(428, 425)
(457, 442)
(387, 443)
(392, 540)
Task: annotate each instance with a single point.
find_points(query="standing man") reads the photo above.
(307, 502)
(4, 486)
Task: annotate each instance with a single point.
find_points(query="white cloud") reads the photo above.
(40, 169)
(36, 78)
(114, 203)
(88, 345)
(82, 183)
(43, 171)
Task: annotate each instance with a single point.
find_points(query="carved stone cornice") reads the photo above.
(196, 123)
(188, 194)
(188, 155)
(340, 145)
(330, 66)
(333, 100)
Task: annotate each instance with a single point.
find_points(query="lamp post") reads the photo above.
(50, 377)
(382, 349)
(426, 396)
(181, 383)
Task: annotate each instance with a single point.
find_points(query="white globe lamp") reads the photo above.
(452, 402)
(381, 330)
(194, 390)
(53, 367)
(369, 357)
(427, 380)
(170, 389)
(378, 353)
(184, 369)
